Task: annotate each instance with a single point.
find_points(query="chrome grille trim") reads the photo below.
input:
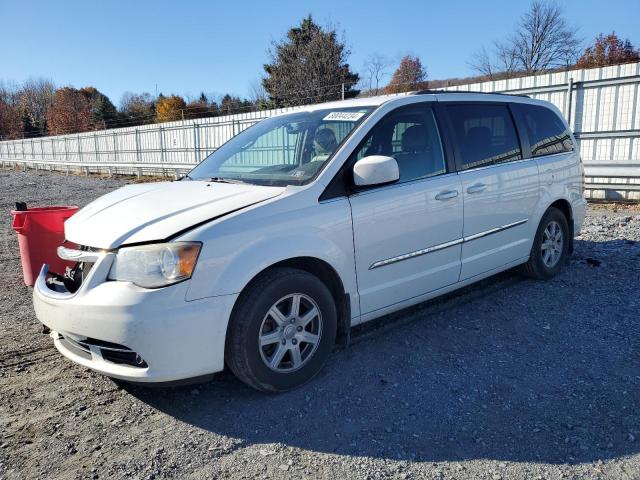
(74, 255)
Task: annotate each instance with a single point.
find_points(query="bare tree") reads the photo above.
(542, 40)
(137, 109)
(258, 95)
(35, 97)
(482, 62)
(375, 67)
(10, 119)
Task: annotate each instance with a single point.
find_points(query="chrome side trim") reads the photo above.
(74, 255)
(435, 248)
(494, 230)
(417, 253)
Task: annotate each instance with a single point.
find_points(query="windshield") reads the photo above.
(280, 151)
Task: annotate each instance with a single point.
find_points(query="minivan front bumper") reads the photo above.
(172, 339)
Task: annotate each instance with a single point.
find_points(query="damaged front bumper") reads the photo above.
(132, 333)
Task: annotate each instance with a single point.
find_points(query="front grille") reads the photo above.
(110, 352)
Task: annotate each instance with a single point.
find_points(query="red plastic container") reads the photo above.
(40, 233)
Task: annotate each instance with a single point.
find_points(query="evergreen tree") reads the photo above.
(309, 66)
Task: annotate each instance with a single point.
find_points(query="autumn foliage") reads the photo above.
(10, 121)
(308, 65)
(608, 50)
(410, 75)
(170, 108)
(69, 113)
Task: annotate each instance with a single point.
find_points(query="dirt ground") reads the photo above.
(509, 378)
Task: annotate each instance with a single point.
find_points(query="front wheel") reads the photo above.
(550, 246)
(282, 330)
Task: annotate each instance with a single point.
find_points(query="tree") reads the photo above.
(169, 109)
(10, 117)
(137, 109)
(542, 40)
(34, 99)
(308, 66)
(70, 112)
(503, 63)
(258, 96)
(230, 104)
(199, 108)
(10, 121)
(103, 112)
(409, 76)
(608, 50)
(375, 67)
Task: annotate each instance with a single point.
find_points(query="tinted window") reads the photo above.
(547, 133)
(485, 134)
(410, 135)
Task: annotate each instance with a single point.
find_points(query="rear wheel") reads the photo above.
(550, 247)
(281, 331)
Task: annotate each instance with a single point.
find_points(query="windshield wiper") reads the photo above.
(225, 180)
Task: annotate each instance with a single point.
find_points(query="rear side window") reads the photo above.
(547, 132)
(485, 134)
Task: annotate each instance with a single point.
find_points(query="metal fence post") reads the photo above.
(95, 146)
(570, 102)
(196, 142)
(161, 138)
(137, 151)
(115, 150)
(80, 155)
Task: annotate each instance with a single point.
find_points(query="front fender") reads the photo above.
(235, 252)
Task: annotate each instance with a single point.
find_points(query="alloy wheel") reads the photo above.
(552, 244)
(290, 333)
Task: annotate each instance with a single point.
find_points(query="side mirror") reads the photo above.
(375, 170)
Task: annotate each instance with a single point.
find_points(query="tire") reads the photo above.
(543, 265)
(265, 313)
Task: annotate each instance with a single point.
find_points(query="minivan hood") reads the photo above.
(155, 211)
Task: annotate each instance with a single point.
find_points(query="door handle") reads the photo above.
(476, 188)
(447, 194)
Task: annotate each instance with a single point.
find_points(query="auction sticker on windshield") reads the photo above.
(344, 116)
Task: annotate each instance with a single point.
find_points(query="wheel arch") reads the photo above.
(327, 275)
(565, 207)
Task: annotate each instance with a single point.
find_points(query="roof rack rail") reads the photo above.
(429, 91)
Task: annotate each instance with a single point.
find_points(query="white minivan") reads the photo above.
(306, 224)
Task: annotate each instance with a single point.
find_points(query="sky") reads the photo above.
(186, 47)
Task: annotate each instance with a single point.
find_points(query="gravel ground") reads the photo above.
(510, 378)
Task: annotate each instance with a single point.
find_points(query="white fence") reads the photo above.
(602, 106)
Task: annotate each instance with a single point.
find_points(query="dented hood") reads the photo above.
(155, 211)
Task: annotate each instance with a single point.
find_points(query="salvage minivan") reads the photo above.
(309, 223)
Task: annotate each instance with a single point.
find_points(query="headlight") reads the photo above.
(156, 265)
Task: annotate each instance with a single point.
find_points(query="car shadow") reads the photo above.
(509, 369)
